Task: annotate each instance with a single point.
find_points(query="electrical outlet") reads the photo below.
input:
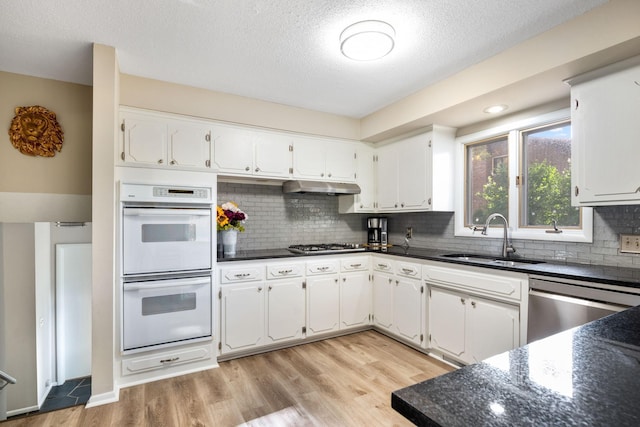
(409, 234)
(630, 243)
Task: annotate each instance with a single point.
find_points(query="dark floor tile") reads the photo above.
(59, 403)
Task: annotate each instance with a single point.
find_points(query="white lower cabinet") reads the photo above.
(285, 311)
(355, 300)
(408, 310)
(323, 304)
(471, 328)
(243, 317)
(382, 288)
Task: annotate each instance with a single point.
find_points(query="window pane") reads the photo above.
(547, 177)
(487, 180)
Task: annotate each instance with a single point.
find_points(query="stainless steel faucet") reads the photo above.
(507, 247)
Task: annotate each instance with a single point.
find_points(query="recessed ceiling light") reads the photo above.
(367, 40)
(495, 109)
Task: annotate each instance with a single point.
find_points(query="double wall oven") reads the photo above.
(166, 265)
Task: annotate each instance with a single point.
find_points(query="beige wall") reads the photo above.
(105, 105)
(69, 172)
(173, 98)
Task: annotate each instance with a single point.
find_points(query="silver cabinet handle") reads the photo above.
(390, 280)
(247, 168)
(259, 288)
(240, 275)
(402, 205)
(356, 265)
(336, 280)
(173, 359)
(329, 175)
(173, 162)
(322, 174)
(285, 271)
(408, 271)
(323, 268)
(257, 169)
(383, 266)
(207, 163)
(160, 161)
(473, 304)
(270, 288)
(462, 300)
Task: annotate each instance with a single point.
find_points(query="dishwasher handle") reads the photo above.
(577, 301)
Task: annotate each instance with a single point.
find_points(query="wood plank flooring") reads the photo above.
(344, 381)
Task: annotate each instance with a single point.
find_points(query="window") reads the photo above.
(546, 177)
(487, 179)
(523, 171)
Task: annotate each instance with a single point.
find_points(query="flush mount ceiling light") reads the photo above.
(495, 109)
(367, 40)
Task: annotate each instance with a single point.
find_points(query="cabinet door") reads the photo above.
(232, 150)
(492, 328)
(145, 140)
(408, 297)
(605, 130)
(340, 161)
(272, 156)
(387, 178)
(413, 173)
(323, 304)
(447, 311)
(189, 145)
(309, 159)
(382, 288)
(285, 310)
(242, 317)
(355, 300)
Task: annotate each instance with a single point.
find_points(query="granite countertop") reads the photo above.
(620, 276)
(588, 375)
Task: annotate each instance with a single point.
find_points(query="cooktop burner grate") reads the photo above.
(325, 247)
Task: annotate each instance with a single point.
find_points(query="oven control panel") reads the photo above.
(164, 193)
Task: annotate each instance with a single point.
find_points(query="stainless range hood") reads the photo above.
(320, 187)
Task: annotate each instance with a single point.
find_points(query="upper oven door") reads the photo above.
(160, 240)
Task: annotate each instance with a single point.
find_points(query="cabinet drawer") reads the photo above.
(164, 360)
(380, 264)
(241, 274)
(408, 269)
(323, 267)
(355, 264)
(480, 283)
(281, 271)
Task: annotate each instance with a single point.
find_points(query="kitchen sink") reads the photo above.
(489, 260)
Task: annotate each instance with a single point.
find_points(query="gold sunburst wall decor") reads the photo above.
(35, 131)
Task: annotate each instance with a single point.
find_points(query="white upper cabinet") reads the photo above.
(317, 159)
(249, 152)
(416, 173)
(366, 179)
(156, 140)
(606, 135)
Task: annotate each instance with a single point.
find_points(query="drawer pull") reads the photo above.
(408, 271)
(240, 275)
(356, 265)
(383, 266)
(285, 271)
(324, 268)
(173, 359)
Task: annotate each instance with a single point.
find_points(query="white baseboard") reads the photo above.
(103, 399)
(21, 411)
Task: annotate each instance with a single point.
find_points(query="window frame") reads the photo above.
(513, 131)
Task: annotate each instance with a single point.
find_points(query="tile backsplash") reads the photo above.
(277, 220)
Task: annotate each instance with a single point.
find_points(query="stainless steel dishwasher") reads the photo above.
(555, 306)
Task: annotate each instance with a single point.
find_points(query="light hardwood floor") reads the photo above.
(344, 381)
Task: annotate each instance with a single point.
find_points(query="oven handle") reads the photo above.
(140, 286)
(158, 212)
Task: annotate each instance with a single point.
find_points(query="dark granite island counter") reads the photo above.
(587, 376)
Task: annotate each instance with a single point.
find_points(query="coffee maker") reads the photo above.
(377, 233)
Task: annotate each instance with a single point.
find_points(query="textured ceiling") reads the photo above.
(284, 51)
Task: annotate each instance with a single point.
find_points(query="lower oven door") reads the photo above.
(165, 311)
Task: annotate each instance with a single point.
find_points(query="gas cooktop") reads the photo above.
(325, 247)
